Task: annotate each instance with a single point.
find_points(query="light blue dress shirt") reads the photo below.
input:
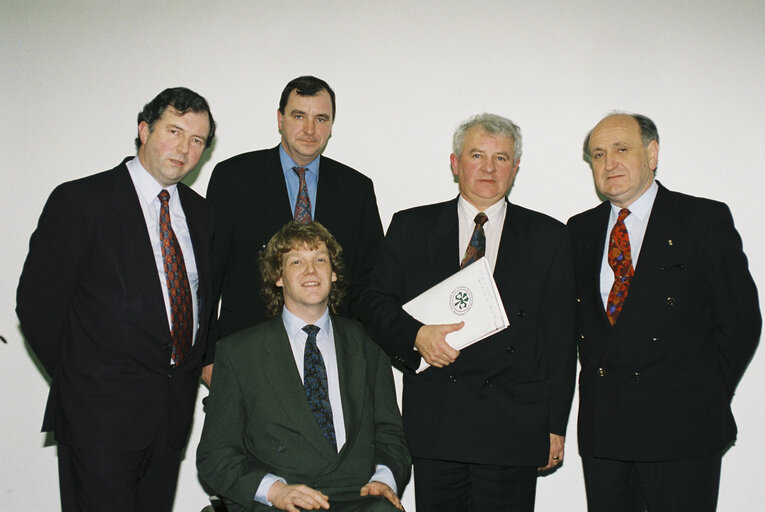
(293, 182)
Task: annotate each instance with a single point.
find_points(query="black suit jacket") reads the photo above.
(249, 202)
(91, 307)
(658, 384)
(258, 419)
(502, 397)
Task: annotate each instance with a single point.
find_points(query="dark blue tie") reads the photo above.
(315, 383)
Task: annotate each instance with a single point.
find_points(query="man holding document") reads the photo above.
(480, 421)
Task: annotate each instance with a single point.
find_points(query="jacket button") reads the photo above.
(578, 299)
(602, 372)
(581, 336)
(654, 340)
(637, 376)
(671, 301)
(509, 350)
(521, 313)
(452, 378)
(488, 383)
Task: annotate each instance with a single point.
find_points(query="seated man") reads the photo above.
(302, 411)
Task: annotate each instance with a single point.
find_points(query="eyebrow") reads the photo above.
(613, 145)
(302, 112)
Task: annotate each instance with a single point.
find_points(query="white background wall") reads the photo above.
(73, 75)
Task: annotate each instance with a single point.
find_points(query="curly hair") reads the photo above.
(296, 235)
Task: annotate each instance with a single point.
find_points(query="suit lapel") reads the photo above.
(200, 242)
(326, 191)
(652, 254)
(287, 387)
(271, 182)
(137, 254)
(352, 369)
(597, 246)
(445, 240)
(511, 247)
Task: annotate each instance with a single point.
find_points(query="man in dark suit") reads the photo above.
(254, 194)
(481, 421)
(302, 410)
(663, 341)
(114, 300)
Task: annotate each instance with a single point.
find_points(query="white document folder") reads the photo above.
(471, 296)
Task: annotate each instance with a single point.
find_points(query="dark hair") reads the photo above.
(181, 99)
(648, 131)
(306, 86)
(295, 234)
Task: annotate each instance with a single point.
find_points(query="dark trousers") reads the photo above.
(663, 486)
(119, 481)
(445, 486)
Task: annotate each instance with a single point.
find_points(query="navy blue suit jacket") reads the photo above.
(92, 310)
(658, 384)
(503, 396)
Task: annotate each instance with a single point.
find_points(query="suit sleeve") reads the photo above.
(370, 241)
(223, 461)
(556, 332)
(736, 306)
(390, 443)
(389, 325)
(47, 281)
(219, 198)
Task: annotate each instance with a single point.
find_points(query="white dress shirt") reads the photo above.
(466, 213)
(147, 189)
(636, 224)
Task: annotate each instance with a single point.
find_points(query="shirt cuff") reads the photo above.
(385, 475)
(261, 495)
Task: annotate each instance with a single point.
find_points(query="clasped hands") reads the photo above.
(290, 497)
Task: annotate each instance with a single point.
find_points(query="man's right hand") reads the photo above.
(290, 497)
(432, 346)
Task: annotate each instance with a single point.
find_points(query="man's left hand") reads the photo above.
(556, 452)
(381, 489)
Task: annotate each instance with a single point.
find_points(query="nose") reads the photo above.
(309, 127)
(610, 162)
(489, 165)
(309, 268)
(183, 145)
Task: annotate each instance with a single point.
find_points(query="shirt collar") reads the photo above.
(493, 212)
(294, 324)
(145, 183)
(288, 163)
(641, 207)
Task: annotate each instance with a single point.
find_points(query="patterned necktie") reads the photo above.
(181, 307)
(315, 384)
(477, 247)
(620, 260)
(303, 203)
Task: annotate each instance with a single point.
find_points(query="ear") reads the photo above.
(653, 154)
(279, 119)
(279, 283)
(454, 159)
(334, 277)
(143, 131)
(517, 166)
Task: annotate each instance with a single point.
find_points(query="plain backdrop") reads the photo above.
(73, 76)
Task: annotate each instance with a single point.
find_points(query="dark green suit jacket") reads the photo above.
(258, 420)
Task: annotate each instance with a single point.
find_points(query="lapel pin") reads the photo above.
(669, 242)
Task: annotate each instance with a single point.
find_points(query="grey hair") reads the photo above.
(493, 125)
(648, 131)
